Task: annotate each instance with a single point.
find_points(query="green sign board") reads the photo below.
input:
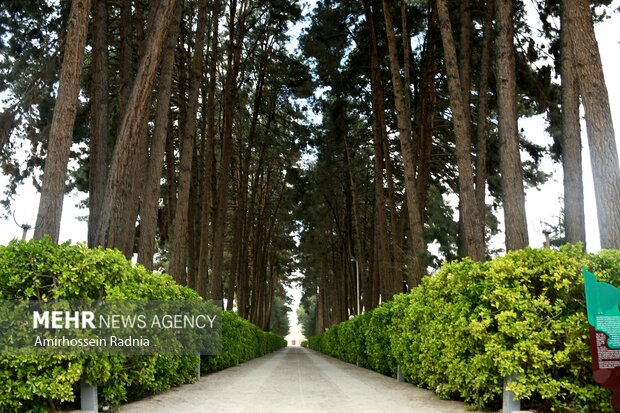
(602, 304)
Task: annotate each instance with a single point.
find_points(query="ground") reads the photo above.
(295, 380)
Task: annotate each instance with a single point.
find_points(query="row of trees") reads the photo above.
(209, 149)
(420, 101)
(181, 117)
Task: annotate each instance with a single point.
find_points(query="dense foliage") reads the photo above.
(465, 328)
(42, 270)
(241, 341)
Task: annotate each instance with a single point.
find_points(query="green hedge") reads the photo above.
(42, 270)
(241, 341)
(469, 325)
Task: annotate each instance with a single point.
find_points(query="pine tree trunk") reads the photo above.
(383, 261)
(465, 53)
(125, 57)
(118, 188)
(150, 205)
(464, 69)
(241, 229)
(356, 229)
(403, 113)
(100, 134)
(510, 161)
(269, 299)
(230, 92)
(255, 226)
(258, 263)
(483, 112)
(236, 250)
(574, 218)
(61, 129)
(320, 309)
(194, 212)
(138, 166)
(599, 123)
(396, 232)
(180, 227)
(170, 194)
(207, 193)
(473, 242)
(425, 110)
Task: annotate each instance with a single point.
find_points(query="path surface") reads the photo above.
(295, 380)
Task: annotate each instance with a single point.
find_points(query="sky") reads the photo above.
(542, 204)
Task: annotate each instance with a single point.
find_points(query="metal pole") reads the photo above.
(26, 228)
(547, 239)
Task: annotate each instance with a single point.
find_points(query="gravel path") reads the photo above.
(295, 380)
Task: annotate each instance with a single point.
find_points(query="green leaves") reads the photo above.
(41, 270)
(241, 341)
(469, 325)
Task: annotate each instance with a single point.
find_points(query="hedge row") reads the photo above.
(42, 270)
(241, 341)
(469, 325)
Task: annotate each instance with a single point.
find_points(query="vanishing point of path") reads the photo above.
(295, 380)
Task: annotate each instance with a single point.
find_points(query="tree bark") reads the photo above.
(403, 114)
(383, 260)
(118, 188)
(170, 194)
(207, 193)
(61, 130)
(125, 56)
(180, 226)
(241, 228)
(464, 69)
(510, 161)
(483, 112)
(574, 218)
(358, 252)
(100, 134)
(474, 242)
(396, 232)
(599, 123)
(150, 199)
(425, 109)
(465, 53)
(219, 235)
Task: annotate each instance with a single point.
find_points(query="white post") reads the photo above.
(510, 404)
(88, 397)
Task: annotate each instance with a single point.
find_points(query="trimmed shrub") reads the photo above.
(241, 341)
(470, 324)
(377, 338)
(42, 270)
